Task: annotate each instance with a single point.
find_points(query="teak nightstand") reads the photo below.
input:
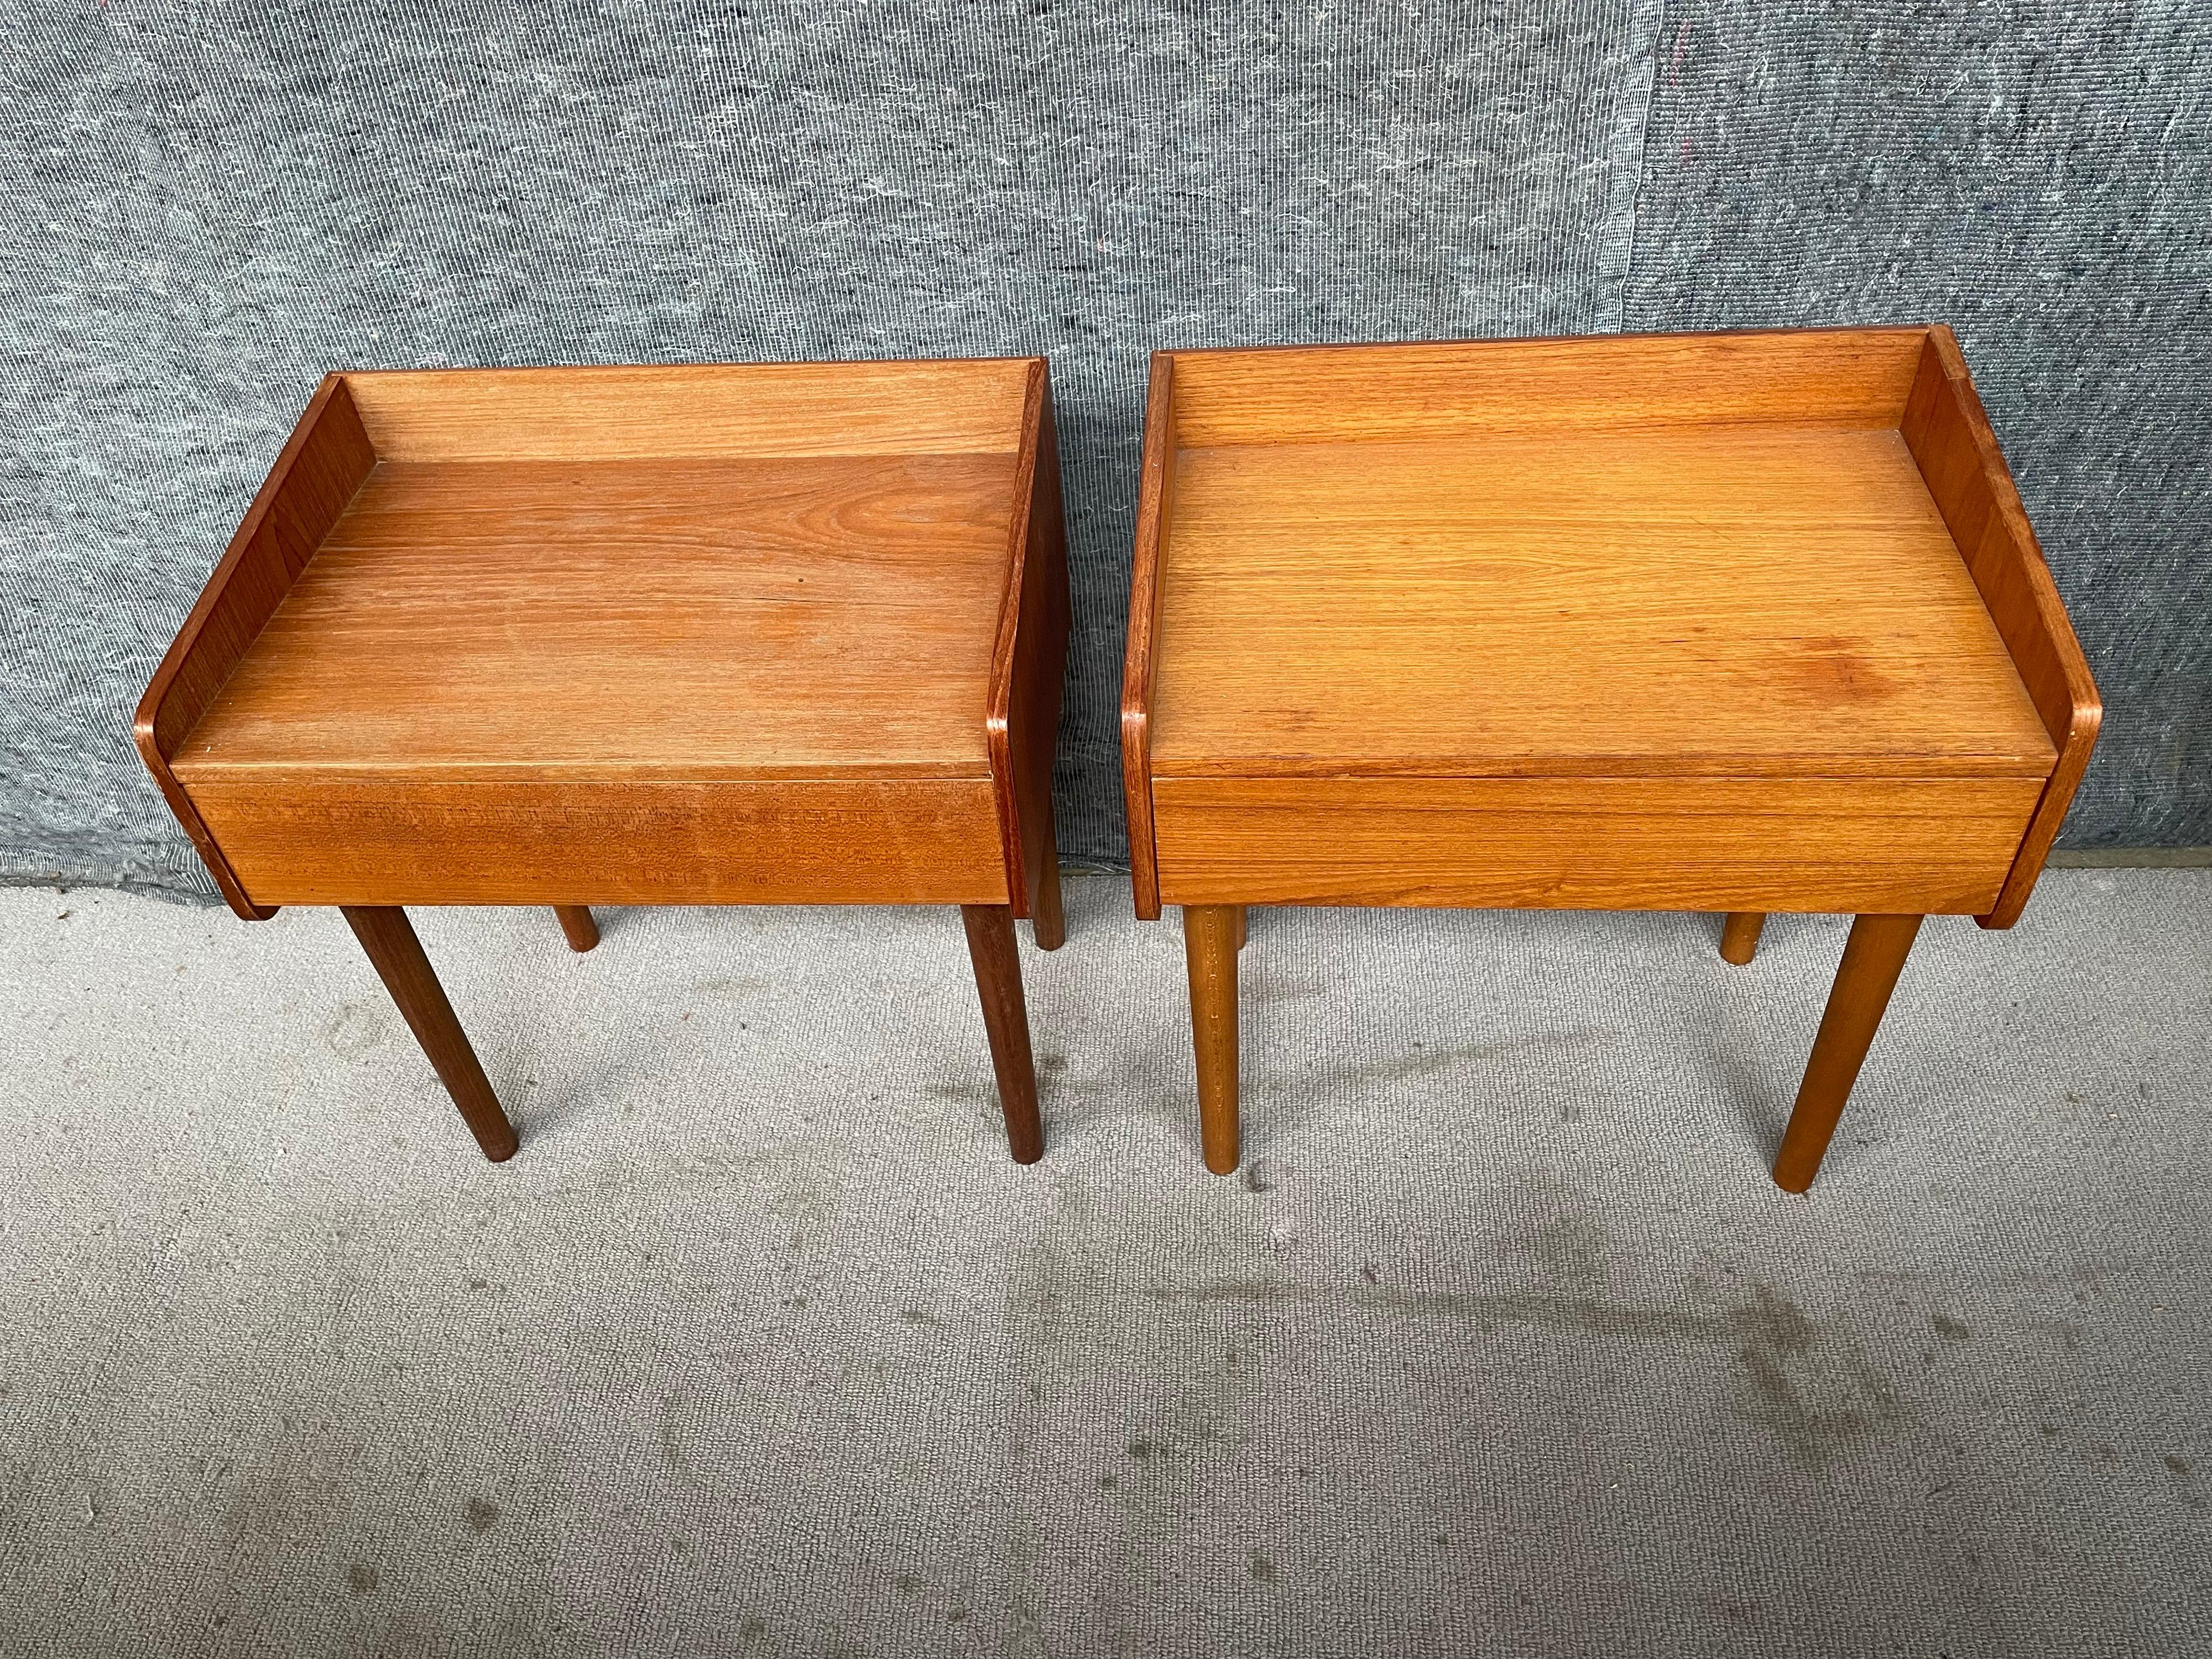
(766, 634)
(1731, 623)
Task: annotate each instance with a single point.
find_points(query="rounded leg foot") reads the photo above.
(1048, 922)
(1740, 936)
(576, 922)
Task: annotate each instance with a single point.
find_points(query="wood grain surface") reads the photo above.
(1957, 453)
(1155, 507)
(308, 838)
(316, 475)
(1785, 568)
(1309, 394)
(1209, 948)
(998, 963)
(1752, 599)
(783, 633)
(1028, 666)
(577, 927)
(707, 410)
(1806, 844)
(389, 940)
(1740, 936)
(786, 617)
(1873, 959)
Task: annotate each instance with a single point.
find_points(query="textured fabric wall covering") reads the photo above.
(2040, 176)
(210, 210)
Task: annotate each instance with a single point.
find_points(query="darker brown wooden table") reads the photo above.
(769, 634)
(1730, 622)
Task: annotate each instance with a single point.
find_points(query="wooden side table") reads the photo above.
(771, 635)
(1733, 622)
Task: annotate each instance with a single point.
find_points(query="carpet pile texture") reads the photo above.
(1502, 1340)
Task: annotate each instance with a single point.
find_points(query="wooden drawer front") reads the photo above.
(321, 841)
(1826, 844)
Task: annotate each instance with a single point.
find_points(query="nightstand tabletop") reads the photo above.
(1737, 601)
(700, 618)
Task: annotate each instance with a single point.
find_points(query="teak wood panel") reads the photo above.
(1739, 600)
(1029, 661)
(1317, 394)
(1155, 507)
(787, 616)
(1910, 381)
(315, 475)
(703, 410)
(636, 446)
(320, 840)
(1958, 456)
(1843, 844)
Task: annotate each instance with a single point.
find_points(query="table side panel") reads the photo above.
(1916, 845)
(308, 840)
(1028, 665)
(323, 464)
(1155, 508)
(1956, 450)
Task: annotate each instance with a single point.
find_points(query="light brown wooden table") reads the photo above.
(764, 635)
(1727, 623)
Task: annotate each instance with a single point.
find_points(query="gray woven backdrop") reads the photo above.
(202, 209)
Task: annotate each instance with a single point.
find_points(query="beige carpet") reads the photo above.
(1503, 1342)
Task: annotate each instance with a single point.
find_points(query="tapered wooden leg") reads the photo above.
(999, 980)
(1048, 922)
(576, 922)
(1209, 943)
(397, 955)
(1243, 930)
(1740, 936)
(1874, 956)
